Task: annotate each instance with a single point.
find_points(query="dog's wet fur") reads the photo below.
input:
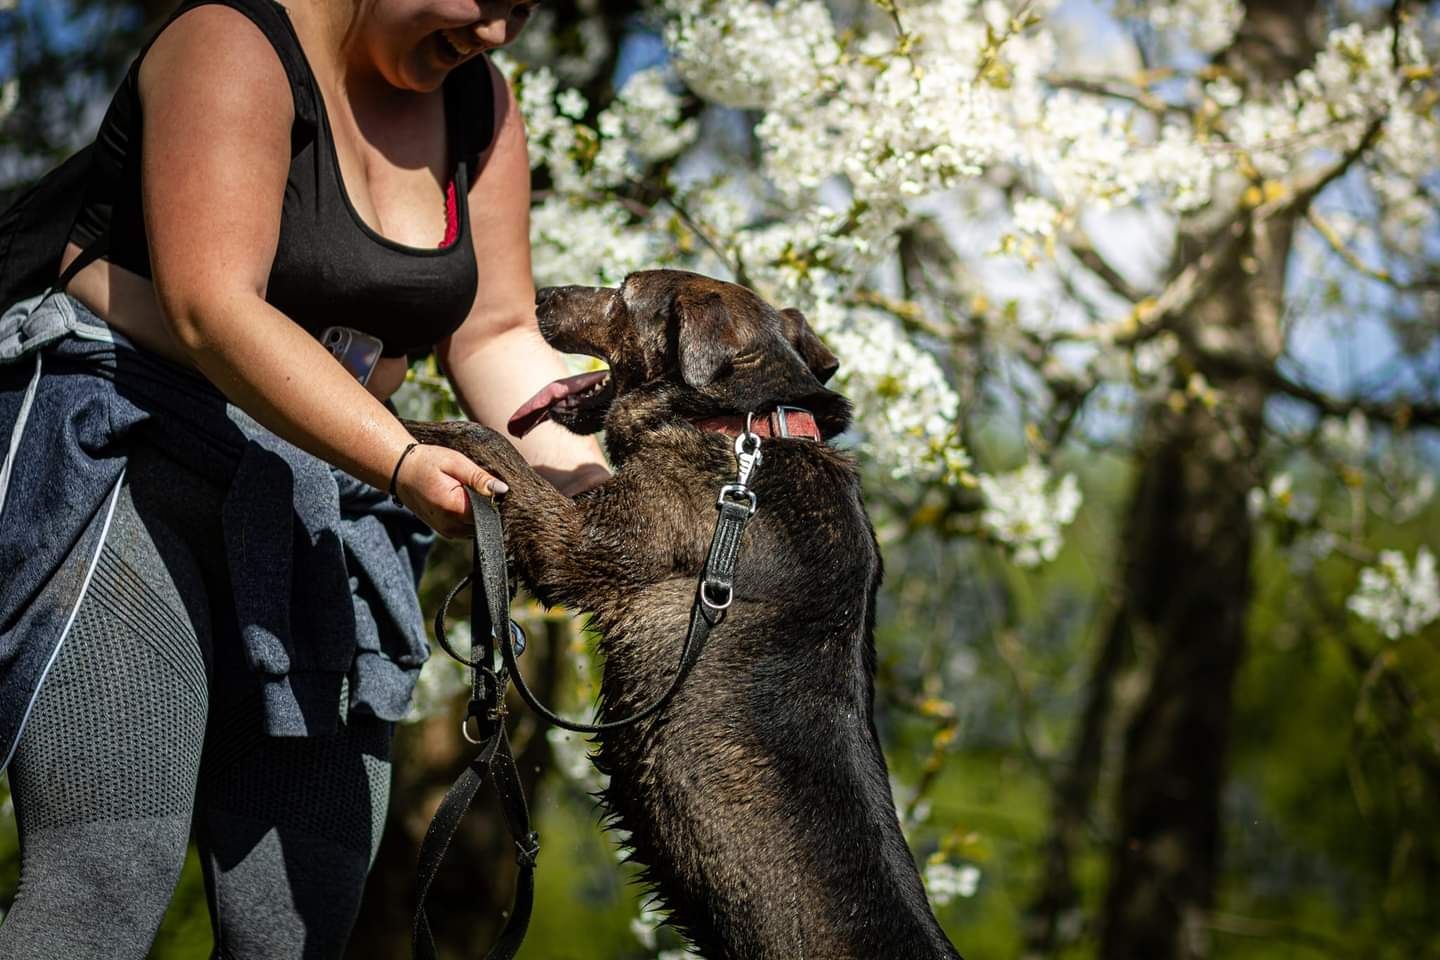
(758, 799)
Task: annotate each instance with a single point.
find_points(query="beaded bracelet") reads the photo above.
(395, 474)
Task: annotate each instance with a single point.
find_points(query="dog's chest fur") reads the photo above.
(808, 554)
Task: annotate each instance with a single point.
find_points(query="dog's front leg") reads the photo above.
(543, 527)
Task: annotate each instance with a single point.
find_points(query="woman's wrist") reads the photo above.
(395, 473)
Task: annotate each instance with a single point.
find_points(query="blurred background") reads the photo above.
(1138, 303)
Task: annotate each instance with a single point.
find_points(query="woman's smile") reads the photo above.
(461, 44)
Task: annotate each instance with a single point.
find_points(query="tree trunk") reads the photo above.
(1187, 554)
(1194, 531)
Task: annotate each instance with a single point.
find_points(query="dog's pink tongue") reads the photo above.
(536, 410)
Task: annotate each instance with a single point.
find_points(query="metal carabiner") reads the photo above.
(738, 491)
(747, 453)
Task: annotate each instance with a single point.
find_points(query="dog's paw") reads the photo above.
(486, 447)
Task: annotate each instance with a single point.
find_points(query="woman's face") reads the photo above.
(415, 43)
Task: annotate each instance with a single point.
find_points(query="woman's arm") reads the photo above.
(218, 112)
(497, 359)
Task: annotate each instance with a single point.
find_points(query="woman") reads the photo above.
(200, 620)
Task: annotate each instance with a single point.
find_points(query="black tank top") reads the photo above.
(330, 268)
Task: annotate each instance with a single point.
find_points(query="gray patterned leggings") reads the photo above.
(146, 732)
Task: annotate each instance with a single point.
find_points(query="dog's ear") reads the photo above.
(816, 355)
(706, 338)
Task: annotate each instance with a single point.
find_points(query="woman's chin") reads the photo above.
(421, 75)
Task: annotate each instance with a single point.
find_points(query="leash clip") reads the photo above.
(527, 850)
(747, 453)
(737, 491)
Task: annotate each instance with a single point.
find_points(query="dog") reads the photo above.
(757, 800)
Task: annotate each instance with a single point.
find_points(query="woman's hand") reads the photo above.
(432, 482)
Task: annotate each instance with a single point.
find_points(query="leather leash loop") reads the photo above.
(442, 636)
(489, 605)
(706, 612)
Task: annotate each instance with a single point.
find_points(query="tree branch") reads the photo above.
(1307, 190)
(1401, 413)
(1332, 237)
(1116, 89)
(1079, 244)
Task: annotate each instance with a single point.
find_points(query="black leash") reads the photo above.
(490, 604)
(489, 609)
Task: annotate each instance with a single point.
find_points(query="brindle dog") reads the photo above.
(757, 798)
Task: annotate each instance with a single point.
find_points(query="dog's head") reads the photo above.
(680, 347)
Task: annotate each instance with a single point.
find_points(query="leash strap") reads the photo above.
(713, 594)
(490, 605)
(490, 625)
(712, 597)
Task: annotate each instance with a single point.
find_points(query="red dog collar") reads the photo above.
(786, 423)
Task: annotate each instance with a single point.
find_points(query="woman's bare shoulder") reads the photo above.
(217, 150)
(215, 56)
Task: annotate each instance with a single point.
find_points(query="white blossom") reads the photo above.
(1224, 91)
(645, 924)
(1398, 599)
(946, 881)
(714, 46)
(1285, 500)
(645, 927)
(1347, 440)
(902, 399)
(571, 753)
(1026, 511)
(863, 132)
(648, 115)
(1327, 106)
(574, 242)
(586, 43)
(1413, 497)
(572, 103)
(1151, 358)
(441, 680)
(1035, 215)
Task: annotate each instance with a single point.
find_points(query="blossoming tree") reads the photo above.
(1192, 240)
(1129, 230)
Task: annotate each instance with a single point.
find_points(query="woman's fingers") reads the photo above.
(477, 478)
(432, 483)
(465, 471)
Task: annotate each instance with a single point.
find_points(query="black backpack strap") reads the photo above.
(87, 256)
(36, 226)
